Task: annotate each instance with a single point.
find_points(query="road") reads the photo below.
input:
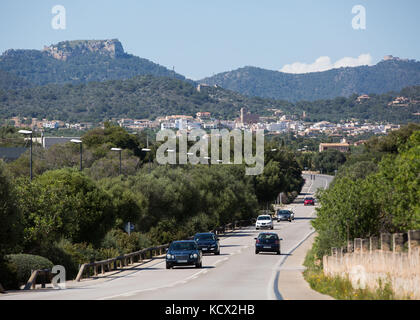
(237, 273)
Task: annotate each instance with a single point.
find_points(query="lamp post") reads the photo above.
(147, 150)
(119, 150)
(27, 132)
(77, 141)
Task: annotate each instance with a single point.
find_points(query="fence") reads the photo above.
(393, 258)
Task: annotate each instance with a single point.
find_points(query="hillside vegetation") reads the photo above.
(392, 75)
(151, 97)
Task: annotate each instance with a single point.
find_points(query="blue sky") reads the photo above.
(200, 38)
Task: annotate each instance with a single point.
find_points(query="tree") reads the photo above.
(64, 204)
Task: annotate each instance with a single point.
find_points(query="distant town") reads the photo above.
(277, 123)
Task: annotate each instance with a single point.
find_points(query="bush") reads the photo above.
(8, 274)
(123, 243)
(24, 264)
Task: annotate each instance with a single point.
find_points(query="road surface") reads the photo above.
(236, 274)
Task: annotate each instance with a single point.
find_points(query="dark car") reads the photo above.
(309, 201)
(183, 253)
(208, 242)
(267, 242)
(284, 215)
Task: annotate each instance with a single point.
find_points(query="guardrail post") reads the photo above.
(350, 246)
(1, 289)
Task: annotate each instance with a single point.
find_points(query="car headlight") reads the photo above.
(169, 256)
(195, 256)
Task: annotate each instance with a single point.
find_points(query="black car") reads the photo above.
(267, 242)
(183, 253)
(284, 215)
(208, 242)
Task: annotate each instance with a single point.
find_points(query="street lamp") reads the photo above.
(119, 150)
(147, 150)
(27, 132)
(77, 141)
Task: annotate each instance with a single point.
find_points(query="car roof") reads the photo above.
(264, 215)
(177, 241)
(268, 233)
(202, 233)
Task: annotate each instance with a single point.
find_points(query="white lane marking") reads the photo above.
(272, 284)
(132, 293)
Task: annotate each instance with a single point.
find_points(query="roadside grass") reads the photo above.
(341, 288)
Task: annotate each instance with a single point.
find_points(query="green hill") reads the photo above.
(78, 62)
(391, 75)
(151, 97)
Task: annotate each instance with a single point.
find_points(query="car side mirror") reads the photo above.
(281, 239)
(255, 238)
(167, 249)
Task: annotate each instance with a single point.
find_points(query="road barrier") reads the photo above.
(392, 258)
(122, 261)
(46, 275)
(101, 267)
(139, 256)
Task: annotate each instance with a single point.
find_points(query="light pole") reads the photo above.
(77, 141)
(119, 150)
(147, 150)
(27, 132)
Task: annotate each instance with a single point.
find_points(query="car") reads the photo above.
(285, 215)
(267, 242)
(208, 242)
(309, 201)
(264, 221)
(184, 253)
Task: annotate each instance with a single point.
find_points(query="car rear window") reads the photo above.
(204, 237)
(181, 246)
(268, 236)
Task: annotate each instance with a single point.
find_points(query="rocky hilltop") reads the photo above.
(64, 50)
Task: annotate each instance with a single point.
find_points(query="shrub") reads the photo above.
(24, 264)
(123, 243)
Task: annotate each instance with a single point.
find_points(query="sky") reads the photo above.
(202, 38)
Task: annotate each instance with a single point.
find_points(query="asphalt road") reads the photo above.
(237, 273)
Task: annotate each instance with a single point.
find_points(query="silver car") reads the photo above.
(264, 222)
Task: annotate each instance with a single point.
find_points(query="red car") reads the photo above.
(309, 201)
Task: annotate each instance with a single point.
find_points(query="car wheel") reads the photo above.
(257, 252)
(278, 252)
(217, 253)
(168, 266)
(199, 265)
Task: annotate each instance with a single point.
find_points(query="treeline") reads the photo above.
(151, 97)
(375, 191)
(72, 217)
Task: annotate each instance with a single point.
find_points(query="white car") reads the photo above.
(264, 222)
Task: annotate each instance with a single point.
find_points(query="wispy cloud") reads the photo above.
(324, 63)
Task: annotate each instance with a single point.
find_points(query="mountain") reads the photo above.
(78, 62)
(391, 74)
(150, 97)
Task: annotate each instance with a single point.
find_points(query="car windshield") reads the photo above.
(264, 218)
(204, 237)
(268, 236)
(283, 212)
(181, 246)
